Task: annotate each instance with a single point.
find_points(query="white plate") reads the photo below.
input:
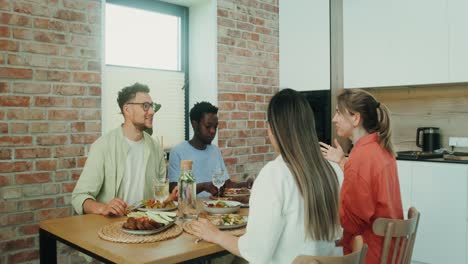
(233, 207)
(147, 232)
(247, 193)
(224, 227)
(143, 209)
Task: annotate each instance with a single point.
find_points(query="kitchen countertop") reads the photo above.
(441, 160)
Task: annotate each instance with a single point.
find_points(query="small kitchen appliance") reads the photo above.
(428, 138)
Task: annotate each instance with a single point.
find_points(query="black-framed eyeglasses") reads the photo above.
(146, 106)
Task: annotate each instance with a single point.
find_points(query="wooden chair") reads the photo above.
(403, 232)
(357, 257)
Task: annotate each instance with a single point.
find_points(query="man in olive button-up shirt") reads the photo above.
(123, 164)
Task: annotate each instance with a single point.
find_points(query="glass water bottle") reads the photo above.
(187, 191)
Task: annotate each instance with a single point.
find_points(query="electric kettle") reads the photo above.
(430, 138)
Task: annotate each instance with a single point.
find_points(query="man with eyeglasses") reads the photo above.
(123, 164)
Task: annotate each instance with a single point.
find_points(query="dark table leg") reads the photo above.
(47, 247)
(205, 259)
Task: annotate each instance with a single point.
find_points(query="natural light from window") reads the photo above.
(141, 38)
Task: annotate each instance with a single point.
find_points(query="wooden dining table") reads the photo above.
(81, 232)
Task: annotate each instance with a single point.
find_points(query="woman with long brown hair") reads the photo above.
(370, 187)
(294, 201)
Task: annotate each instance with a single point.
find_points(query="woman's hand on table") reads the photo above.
(116, 207)
(205, 230)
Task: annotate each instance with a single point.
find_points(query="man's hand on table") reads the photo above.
(250, 182)
(207, 187)
(246, 184)
(116, 207)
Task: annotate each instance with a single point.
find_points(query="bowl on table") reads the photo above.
(221, 207)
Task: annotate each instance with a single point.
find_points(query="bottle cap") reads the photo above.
(185, 165)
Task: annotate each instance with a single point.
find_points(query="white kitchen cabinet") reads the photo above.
(439, 192)
(304, 45)
(458, 40)
(399, 42)
(405, 173)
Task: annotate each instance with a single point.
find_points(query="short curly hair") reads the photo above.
(128, 93)
(200, 109)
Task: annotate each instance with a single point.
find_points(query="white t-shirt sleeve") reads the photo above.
(266, 222)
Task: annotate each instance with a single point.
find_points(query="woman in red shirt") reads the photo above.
(370, 187)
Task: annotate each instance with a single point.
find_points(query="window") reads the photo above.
(146, 42)
(153, 38)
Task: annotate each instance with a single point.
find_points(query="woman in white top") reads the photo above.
(294, 201)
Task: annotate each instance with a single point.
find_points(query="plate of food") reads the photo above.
(221, 207)
(226, 221)
(157, 206)
(233, 192)
(144, 226)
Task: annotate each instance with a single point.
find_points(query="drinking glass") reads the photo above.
(218, 179)
(161, 189)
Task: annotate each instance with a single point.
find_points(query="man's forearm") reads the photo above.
(92, 207)
(201, 187)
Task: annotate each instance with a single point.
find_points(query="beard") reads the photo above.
(141, 126)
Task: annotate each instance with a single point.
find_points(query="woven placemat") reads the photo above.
(113, 232)
(187, 226)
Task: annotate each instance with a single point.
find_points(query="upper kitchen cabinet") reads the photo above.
(304, 44)
(458, 40)
(399, 42)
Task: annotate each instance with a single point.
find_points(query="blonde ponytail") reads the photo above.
(375, 116)
(385, 130)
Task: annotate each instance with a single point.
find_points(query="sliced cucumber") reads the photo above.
(157, 218)
(170, 214)
(166, 217)
(137, 214)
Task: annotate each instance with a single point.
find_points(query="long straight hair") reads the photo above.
(375, 115)
(292, 124)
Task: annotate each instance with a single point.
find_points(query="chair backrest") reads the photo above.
(358, 256)
(403, 232)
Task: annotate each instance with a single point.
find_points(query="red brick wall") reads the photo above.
(50, 97)
(248, 66)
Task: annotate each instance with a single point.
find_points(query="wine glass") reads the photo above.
(161, 189)
(218, 179)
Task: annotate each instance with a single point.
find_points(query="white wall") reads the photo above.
(203, 53)
(304, 44)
